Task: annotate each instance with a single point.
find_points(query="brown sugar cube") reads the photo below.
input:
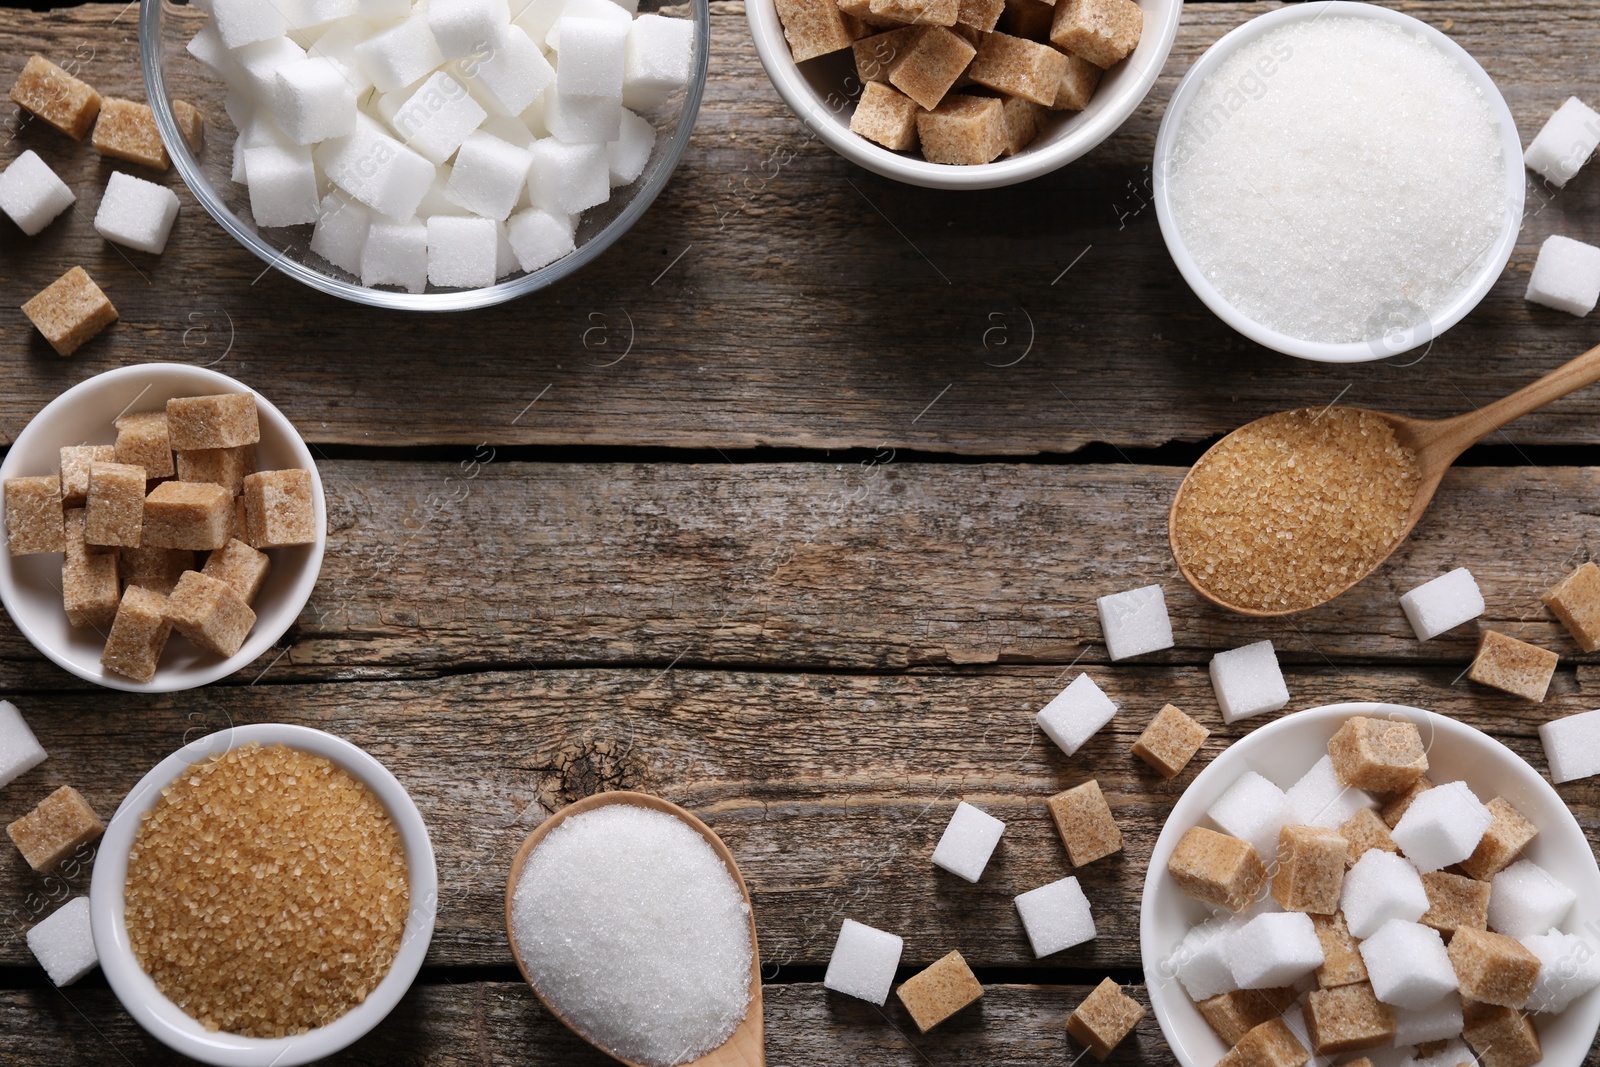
(1379, 755)
(55, 96)
(1347, 1019)
(138, 635)
(1018, 67)
(1502, 1037)
(1341, 957)
(34, 515)
(70, 311)
(1101, 31)
(1310, 869)
(1513, 666)
(191, 124)
(241, 524)
(963, 130)
(1507, 835)
(1363, 832)
(1217, 869)
(916, 12)
(1027, 18)
(858, 13)
(813, 27)
(1455, 903)
(226, 467)
(886, 116)
(210, 614)
(126, 130)
(1023, 119)
(226, 420)
(1083, 818)
(938, 992)
(932, 62)
(1493, 968)
(1272, 1044)
(1079, 79)
(155, 569)
(1232, 1015)
(1106, 1016)
(114, 514)
(142, 440)
(279, 509)
(1170, 741)
(980, 15)
(1576, 602)
(75, 460)
(90, 590)
(194, 515)
(241, 567)
(1395, 805)
(50, 833)
(874, 55)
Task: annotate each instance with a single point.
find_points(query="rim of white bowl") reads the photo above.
(784, 73)
(261, 637)
(1417, 334)
(1163, 994)
(167, 1022)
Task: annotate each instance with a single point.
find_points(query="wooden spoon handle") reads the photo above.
(1461, 432)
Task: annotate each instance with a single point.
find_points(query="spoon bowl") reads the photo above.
(745, 1047)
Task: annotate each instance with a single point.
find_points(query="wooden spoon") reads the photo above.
(746, 1046)
(1437, 444)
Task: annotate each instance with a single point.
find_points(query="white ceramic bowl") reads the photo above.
(30, 586)
(1284, 750)
(167, 1022)
(822, 94)
(1405, 329)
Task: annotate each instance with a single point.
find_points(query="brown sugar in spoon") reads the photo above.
(1436, 443)
(746, 1046)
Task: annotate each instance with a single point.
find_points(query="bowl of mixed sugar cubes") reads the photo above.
(1377, 884)
(435, 155)
(164, 526)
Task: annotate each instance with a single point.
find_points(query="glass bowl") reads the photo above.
(170, 72)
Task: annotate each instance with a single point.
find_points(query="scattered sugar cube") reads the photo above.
(1135, 622)
(1084, 821)
(221, 420)
(932, 62)
(1254, 810)
(658, 60)
(1248, 682)
(1101, 31)
(143, 441)
(1443, 604)
(1217, 869)
(242, 22)
(515, 71)
(1079, 79)
(197, 516)
(461, 252)
(1233, 1014)
(1056, 916)
(283, 185)
(115, 507)
(1564, 143)
(280, 509)
(1021, 68)
(1526, 899)
(1106, 1016)
(863, 962)
(210, 614)
(1364, 831)
(1407, 964)
(488, 177)
(1439, 1021)
(126, 130)
(241, 567)
(50, 93)
(1273, 950)
(1076, 714)
(75, 460)
(1347, 1019)
(1381, 755)
(1566, 276)
(886, 116)
(464, 27)
(155, 569)
(962, 130)
(402, 54)
(1341, 957)
(1508, 834)
(582, 119)
(1455, 902)
(627, 156)
(63, 942)
(1493, 968)
(938, 991)
(90, 589)
(69, 311)
(396, 253)
(1513, 666)
(31, 194)
(1320, 799)
(20, 751)
(34, 515)
(1200, 960)
(1572, 746)
(539, 238)
(1504, 1037)
(967, 842)
(313, 101)
(1442, 827)
(1272, 1044)
(1170, 741)
(136, 213)
(138, 635)
(437, 118)
(1379, 888)
(1310, 869)
(1576, 602)
(49, 834)
(1569, 968)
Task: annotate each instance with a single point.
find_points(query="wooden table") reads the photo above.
(792, 509)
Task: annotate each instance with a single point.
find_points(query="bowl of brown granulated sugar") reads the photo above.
(264, 896)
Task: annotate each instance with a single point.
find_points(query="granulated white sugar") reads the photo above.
(632, 928)
(1336, 175)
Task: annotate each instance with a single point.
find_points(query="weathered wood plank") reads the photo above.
(775, 327)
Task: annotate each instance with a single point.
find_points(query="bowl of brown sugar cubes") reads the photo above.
(164, 526)
(963, 94)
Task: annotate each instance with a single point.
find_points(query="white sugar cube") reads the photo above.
(1442, 826)
(437, 200)
(283, 185)
(438, 117)
(31, 193)
(863, 962)
(1076, 714)
(20, 751)
(1274, 949)
(242, 22)
(536, 17)
(1248, 681)
(1572, 746)
(1525, 899)
(136, 213)
(1381, 887)
(1253, 810)
(207, 47)
(1566, 276)
(384, 10)
(464, 27)
(63, 942)
(461, 252)
(1320, 799)
(505, 257)
(581, 119)
(1565, 142)
(337, 44)
(489, 175)
(515, 71)
(967, 842)
(313, 102)
(659, 58)
(1443, 603)
(1200, 960)
(1439, 1021)
(341, 232)
(1134, 622)
(1056, 916)
(377, 170)
(304, 14)
(539, 238)
(568, 177)
(627, 156)
(401, 54)
(1407, 964)
(259, 64)
(584, 9)
(509, 128)
(592, 54)
(396, 253)
(1569, 968)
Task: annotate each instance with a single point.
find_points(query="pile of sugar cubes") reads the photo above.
(450, 142)
(1368, 908)
(1017, 62)
(1566, 275)
(131, 517)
